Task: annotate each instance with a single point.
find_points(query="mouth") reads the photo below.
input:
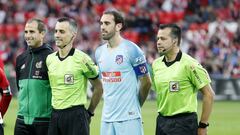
(104, 32)
(29, 41)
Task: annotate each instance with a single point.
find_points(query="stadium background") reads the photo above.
(211, 34)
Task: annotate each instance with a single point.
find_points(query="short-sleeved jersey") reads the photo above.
(177, 85)
(68, 78)
(120, 68)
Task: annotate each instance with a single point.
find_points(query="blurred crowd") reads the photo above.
(211, 28)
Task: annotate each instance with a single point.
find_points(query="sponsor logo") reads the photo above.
(112, 79)
(119, 59)
(174, 86)
(139, 60)
(37, 72)
(131, 113)
(111, 76)
(37, 75)
(68, 79)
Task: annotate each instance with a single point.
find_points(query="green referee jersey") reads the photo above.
(68, 78)
(177, 85)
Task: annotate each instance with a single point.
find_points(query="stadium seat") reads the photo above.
(10, 30)
(2, 29)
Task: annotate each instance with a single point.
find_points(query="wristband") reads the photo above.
(203, 125)
(90, 113)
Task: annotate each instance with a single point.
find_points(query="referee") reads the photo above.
(177, 79)
(69, 70)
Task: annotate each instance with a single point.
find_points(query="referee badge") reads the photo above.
(174, 86)
(68, 79)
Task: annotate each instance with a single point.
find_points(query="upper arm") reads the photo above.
(207, 90)
(198, 75)
(138, 61)
(90, 70)
(96, 82)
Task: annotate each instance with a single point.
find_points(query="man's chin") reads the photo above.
(105, 38)
(161, 53)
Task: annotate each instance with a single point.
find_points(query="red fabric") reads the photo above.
(1, 61)
(6, 97)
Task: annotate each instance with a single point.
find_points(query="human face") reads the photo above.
(108, 26)
(63, 34)
(32, 35)
(165, 42)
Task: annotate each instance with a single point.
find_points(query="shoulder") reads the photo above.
(100, 49)
(189, 62)
(132, 48)
(52, 55)
(81, 56)
(187, 59)
(157, 61)
(79, 53)
(48, 48)
(22, 56)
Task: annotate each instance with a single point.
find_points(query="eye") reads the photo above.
(62, 31)
(31, 31)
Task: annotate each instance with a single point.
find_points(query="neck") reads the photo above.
(114, 41)
(64, 51)
(171, 56)
(39, 45)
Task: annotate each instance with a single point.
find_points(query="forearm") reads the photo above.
(5, 101)
(207, 107)
(97, 94)
(144, 89)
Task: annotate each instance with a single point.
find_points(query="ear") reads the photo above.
(43, 33)
(74, 34)
(119, 26)
(175, 41)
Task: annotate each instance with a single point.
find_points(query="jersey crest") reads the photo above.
(39, 64)
(119, 59)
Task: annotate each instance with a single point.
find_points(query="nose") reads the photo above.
(27, 35)
(56, 34)
(158, 43)
(102, 27)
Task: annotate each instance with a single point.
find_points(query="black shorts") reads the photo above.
(37, 128)
(70, 121)
(1, 129)
(180, 124)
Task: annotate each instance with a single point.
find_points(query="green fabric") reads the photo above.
(34, 99)
(177, 85)
(68, 79)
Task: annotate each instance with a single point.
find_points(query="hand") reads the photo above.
(202, 131)
(89, 115)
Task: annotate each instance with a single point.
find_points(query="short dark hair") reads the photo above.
(41, 26)
(72, 23)
(175, 31)
(118, 17)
